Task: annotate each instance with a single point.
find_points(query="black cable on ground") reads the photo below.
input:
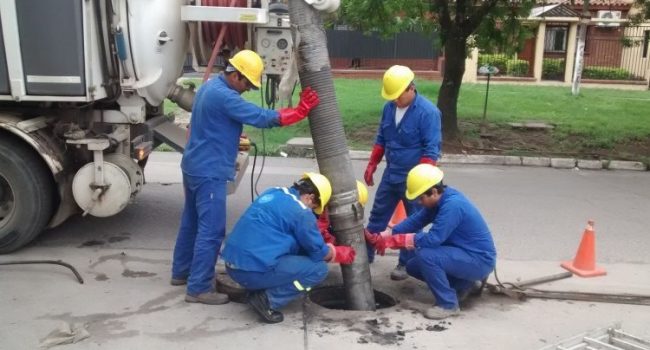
(54, 262)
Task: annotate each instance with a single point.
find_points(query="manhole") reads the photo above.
(333, 297)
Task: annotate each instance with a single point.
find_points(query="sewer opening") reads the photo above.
(333, 297)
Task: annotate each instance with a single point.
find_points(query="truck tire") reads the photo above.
(26, 194)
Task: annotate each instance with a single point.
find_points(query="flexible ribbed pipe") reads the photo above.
(332, 154)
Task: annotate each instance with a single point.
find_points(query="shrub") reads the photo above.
(553, 68)
(606, 73)
(498, 61)
(517, 68)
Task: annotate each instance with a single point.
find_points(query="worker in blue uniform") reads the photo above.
(276, 251)
(456, 254)
(218, 115)
(409, 134)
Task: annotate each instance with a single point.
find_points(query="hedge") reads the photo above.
(553, 68)
(605, 73)
(517, 68)
(506, 66)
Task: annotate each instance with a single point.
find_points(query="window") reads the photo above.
(556, 38)
(646, 42)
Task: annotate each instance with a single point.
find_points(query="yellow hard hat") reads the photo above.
(324, 189)
(421, 178)
(363, 193)
(396, 80)
(249, 64)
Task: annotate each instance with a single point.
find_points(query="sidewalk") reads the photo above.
(304, 147)
(127, 303)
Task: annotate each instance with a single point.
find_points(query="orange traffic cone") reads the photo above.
(399, 215)
(584, 264)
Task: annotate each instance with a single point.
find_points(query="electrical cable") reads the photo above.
(253, 169)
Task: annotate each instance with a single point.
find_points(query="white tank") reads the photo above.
(158, 42)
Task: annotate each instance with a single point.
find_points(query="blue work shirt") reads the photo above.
(417, 135)
(455, 222)
(218, 115)
(275, 225)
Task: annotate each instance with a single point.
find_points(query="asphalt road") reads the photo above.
(537, 216)
(534, 213)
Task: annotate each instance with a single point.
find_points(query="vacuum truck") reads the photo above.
(82, 89)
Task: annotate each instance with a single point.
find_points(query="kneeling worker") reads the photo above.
(456, 253)
(276, 251)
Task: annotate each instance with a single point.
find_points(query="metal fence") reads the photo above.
(622, 58)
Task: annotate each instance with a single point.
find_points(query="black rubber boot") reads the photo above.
(260, 303)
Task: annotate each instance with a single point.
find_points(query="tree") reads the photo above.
(494, 24)
(455, 21)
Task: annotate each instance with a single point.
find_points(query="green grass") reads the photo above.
(600, 117)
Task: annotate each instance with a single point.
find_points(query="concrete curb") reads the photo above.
(303, 147)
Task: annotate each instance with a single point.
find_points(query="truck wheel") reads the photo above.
(26, 194)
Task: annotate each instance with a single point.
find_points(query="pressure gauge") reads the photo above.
(282, 44)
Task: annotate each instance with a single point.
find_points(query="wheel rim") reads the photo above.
(6, 201)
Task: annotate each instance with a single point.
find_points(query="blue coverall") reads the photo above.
(276, 246)
(218, 115)
(457, 251)
(417, 135)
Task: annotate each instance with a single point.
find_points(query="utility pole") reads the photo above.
(585, 18)
(332, 153)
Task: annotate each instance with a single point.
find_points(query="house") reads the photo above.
(613, 50)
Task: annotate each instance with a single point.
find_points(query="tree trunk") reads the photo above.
(455, 54)
(580, 50)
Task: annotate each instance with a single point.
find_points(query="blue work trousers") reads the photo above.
(447, 271)
(293, 275)
(203, 227)
(387, 197)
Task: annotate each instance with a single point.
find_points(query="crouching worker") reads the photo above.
(456, 254)
(276, 251)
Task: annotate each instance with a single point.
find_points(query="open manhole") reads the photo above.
(333, 297)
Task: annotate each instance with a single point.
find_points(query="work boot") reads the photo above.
(474, 291)
(260, 303)
(209, 298)
(399, 273)
(178, 281)
(438, 313)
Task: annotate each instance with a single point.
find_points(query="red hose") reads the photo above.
(232, 35)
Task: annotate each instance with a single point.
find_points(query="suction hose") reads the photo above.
(332, 154)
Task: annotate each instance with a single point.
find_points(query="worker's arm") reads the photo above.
(431, 135)
(324, 227)
(446, 221)
(309, 238)
(245, 112)
(415, 222)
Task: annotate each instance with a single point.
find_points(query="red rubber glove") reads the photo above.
(399, 241)
(371, 238)
(342, 254)
(427, 160)
(324, 227)
(375, 157)
(308, 100)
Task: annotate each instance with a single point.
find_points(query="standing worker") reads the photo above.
(218, 115)
(276, 251)
(456, 255)
(409, 134)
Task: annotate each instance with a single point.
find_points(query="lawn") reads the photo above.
(598, 119)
